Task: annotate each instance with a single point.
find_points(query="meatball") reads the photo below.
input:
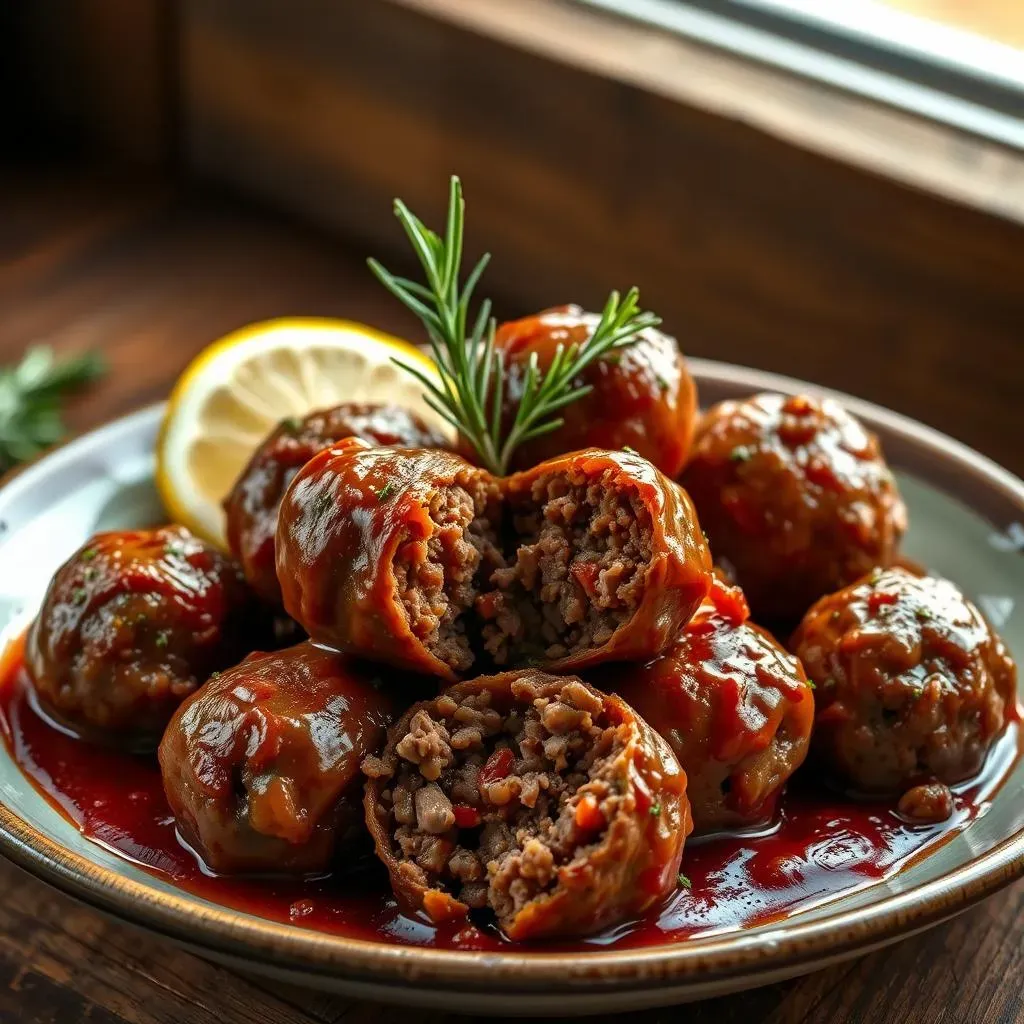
(912, 683)
(422, 561)
(552, 804)
(609, 564)
(643, 396)
(251, 507)
(261, 766)
(733, 704)
(131, 624)
(381, 551)
(795, 497)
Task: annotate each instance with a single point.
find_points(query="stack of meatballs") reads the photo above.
(529, 691)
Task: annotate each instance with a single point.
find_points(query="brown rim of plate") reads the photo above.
(789, 946)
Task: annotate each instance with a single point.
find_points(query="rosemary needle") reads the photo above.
(471, 393)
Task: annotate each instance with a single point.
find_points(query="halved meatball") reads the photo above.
(642, 396)
(608, 564)
(795, 497)
(251, 507)
(380, 552)
(552, 804)
(735, 707)
(131, 625)
(406, 556)
(261, 766)
(913, 684)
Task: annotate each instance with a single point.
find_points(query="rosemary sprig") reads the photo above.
(30, 397)
(471, 394)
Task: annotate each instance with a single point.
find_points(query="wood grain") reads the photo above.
(149, 276)
(889, 140)
(751, 249)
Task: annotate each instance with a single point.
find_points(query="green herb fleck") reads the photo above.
(90, 574)
(79, 596)
(385, 491)
(214, 675)
(629, 448)
(662, 382)
(162, 639)
(810, 683)
(684, 882)
(923, 614)
(655, 810)
(174, 551)
(876, 575)
(741, 453)
(88, 554)
(291, 425)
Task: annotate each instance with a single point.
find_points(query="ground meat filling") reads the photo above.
(578, 572)
(437, 579)
(489, 806)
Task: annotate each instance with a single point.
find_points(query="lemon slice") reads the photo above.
(239, 388)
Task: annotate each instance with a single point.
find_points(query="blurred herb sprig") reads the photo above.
(30, 399)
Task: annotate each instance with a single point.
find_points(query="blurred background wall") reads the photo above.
(770, 220)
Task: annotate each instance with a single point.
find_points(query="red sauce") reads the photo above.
(818, 848)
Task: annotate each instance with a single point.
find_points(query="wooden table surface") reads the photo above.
(150, 275)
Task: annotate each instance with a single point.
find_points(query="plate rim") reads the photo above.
(702, 962)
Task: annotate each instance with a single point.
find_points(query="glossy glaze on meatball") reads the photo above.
(643, 395)
(534, 795)
(261, 766)
(422, 561)
(795, 497)
(735, 707)
(912, 684)
(381, 553)
(251, 507)
(131, 625)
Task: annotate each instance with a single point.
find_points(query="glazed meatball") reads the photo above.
(795, 497)
(418, 559)
(735, 707)
(381, 551)
(251, 507)
(261, 766)
(609, 563)
(131, 625)
(643, 395)
(912, 683)
(537, 796)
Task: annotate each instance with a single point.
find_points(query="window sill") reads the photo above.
(903, 139)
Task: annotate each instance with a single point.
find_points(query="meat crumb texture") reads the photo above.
(437, 579)
(562, 571)
(578, 571)
(516, 792)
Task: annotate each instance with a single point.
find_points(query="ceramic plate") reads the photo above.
(967, 523)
